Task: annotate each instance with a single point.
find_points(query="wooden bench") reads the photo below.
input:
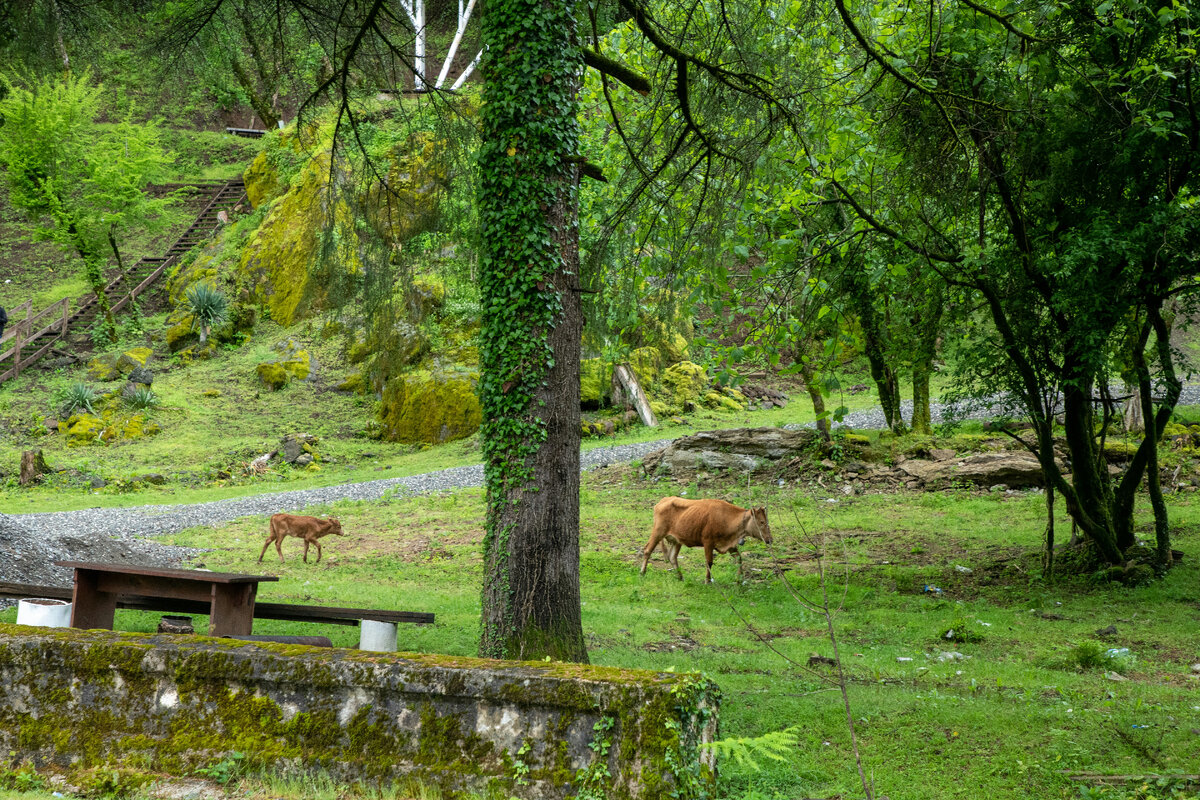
(229, 596)
(281, 611)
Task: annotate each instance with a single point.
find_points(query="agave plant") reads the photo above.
(141, 398)
(78, 397)
(209, 307)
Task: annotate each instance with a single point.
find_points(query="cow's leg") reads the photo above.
(708, 554)
(317, 542)
(305, 549)
(279, 546)
(656, 538)
(266, 544)
(735, 552)
(673, 557)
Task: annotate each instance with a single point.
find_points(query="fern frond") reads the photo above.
(744, 750)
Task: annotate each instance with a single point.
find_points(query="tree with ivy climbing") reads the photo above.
(532, 329)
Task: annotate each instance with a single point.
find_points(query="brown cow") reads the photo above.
(310, 529)
(712, 524)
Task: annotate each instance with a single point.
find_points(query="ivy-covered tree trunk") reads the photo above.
(532, 326)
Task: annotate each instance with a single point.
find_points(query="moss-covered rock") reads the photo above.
(354, 383)
(103, 368)
(132, 359)
(595, 382)
(109, 426)
(182, 335)
(683, 385)
(81, 429)
(425, 297)
(272, 375)
(280, 257)
(426, 407)
(665, 324)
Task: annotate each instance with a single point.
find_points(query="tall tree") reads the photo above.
(1044, 158)
(532, 329)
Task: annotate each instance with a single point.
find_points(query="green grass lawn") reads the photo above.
(1032, 701)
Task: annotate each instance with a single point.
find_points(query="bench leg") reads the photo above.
(90, 607)
(232, 611)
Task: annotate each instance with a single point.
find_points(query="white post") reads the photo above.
(419, 60)
(463, 18)
(467, 72)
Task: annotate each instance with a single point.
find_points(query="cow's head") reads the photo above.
(335, 527)
(759, 527)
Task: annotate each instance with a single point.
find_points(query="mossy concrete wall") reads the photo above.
(76, 699)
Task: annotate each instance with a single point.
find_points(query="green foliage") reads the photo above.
(79, 183)
(141, 398)
(112, 783)
(209, 307)
(226, 770)
(78, 396)
(22, 778)
(744, 750)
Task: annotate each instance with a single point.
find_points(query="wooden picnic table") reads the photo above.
(230, 596)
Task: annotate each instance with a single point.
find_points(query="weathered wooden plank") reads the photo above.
(278, 611)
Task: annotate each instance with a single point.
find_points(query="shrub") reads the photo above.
(78, 397)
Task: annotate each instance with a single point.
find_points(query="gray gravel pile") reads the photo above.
(28, 556)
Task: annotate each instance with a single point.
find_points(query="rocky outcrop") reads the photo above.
(293, 362)
(430, 407)
(1013, 469)
(744, 449)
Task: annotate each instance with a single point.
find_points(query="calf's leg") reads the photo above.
(266, 544)
(708, 554)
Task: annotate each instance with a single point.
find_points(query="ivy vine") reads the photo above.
(530, 135)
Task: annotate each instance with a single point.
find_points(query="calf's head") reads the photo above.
(757, 526)
(335, 527)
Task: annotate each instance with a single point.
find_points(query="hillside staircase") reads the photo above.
(29, 339)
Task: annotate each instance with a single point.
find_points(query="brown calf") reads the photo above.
(310, 529)
(715, 525)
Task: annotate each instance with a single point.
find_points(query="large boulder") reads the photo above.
(1014, 469)
(428, 407)
(744, 449)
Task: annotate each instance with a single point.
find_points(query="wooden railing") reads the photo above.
(54, 317)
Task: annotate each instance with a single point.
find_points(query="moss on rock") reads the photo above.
(103, 368)
(273, 375)
(682, 385)
(425, 407)
(647, 364)
(132, 359)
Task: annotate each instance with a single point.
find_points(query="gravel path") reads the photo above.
(131, 524)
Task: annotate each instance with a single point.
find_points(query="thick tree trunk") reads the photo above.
(921, 418)
(532, 329)
(818, 403)
(1091, 505)
(875, 345)
(929, 330)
